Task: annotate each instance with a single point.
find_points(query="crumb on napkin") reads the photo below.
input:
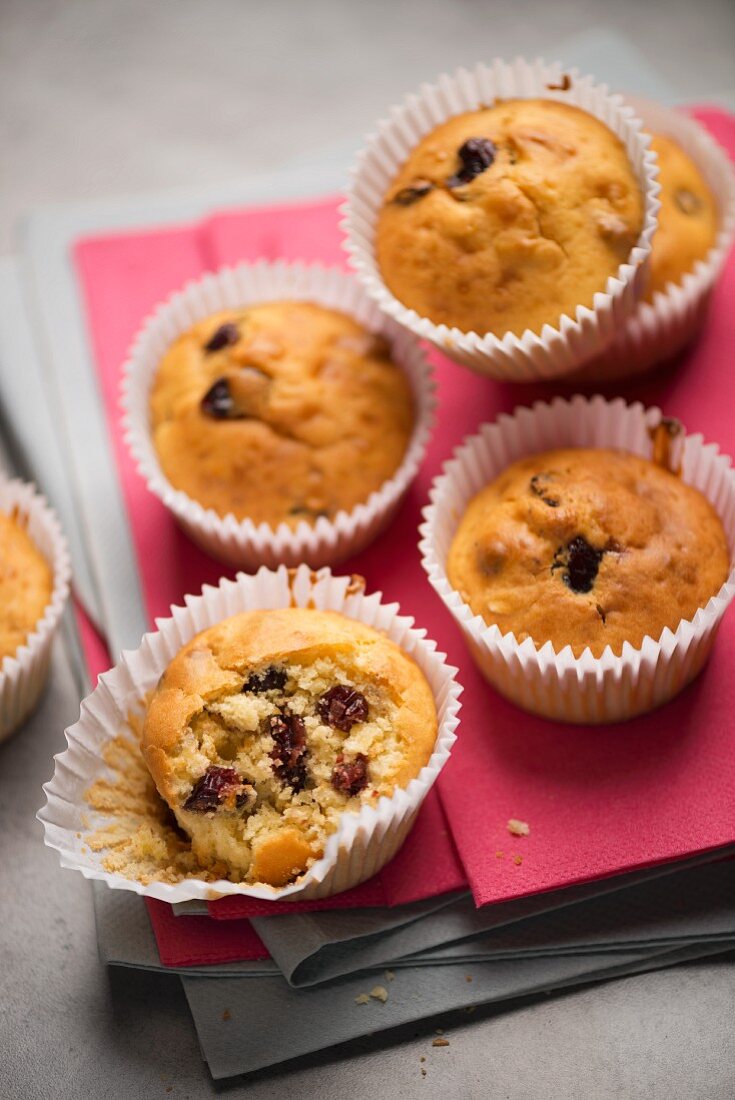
(518, 828)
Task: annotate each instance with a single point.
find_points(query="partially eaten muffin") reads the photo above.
(266, 728)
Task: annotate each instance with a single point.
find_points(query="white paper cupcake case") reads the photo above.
(364, 841)
(243, 543)
(581, 689)
(659, 329)
(556, 351)
(23, 676)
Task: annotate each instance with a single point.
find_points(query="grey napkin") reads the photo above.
(35, 447)
(692, 907)
(125, 938)
(244, 1025)
(314, 947)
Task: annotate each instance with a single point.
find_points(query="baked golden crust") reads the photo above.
(531, 237)
(687, 221)
(652, 550)
(213, 708)
(313, 415)
(26, 583)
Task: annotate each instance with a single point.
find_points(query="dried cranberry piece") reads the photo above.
(273, 679)
(341, 707)
(476, 155)
(226, 334)
(580, 562)
(219, 403)
(214, 787)
(409, 195)
(540, 489)
(350, 776)
(289, 751)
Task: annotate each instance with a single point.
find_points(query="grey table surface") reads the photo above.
(104, 97)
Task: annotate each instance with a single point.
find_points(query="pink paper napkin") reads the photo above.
(198, 941)
(598, 801)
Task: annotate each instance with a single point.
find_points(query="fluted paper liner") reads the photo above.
(581, 689)
(241, 542)
(555, 351)
(364, 840)
(23, 676)
(661, 328)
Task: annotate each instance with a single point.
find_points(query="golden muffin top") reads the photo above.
(280, 412)
(687, 221)
(26, 583)
(504, 218)
(588, 548)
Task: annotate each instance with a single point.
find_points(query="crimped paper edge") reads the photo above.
(23, 675)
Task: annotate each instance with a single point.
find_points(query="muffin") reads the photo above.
(268, 727)
(687, 221)
(505, 218)
(280, 412)
(26, 583)
(588, 548)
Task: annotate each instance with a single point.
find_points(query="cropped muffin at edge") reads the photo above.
(504, 218)
(280, 412)
(588, 548)
(26, 582)
(687, 221)
(266, 728)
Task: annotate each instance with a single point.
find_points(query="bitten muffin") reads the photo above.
(687, 221)
(26, 582)
(505, 218)
(280, 412)
(588, 548)
(268, 727)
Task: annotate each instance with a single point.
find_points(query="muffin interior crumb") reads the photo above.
(279, 746)
(138, 833)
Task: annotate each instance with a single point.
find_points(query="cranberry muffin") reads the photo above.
(588, 548)
(26, 583)
(687, 221)
(268, 727)
(280, 412)
(504, 218)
